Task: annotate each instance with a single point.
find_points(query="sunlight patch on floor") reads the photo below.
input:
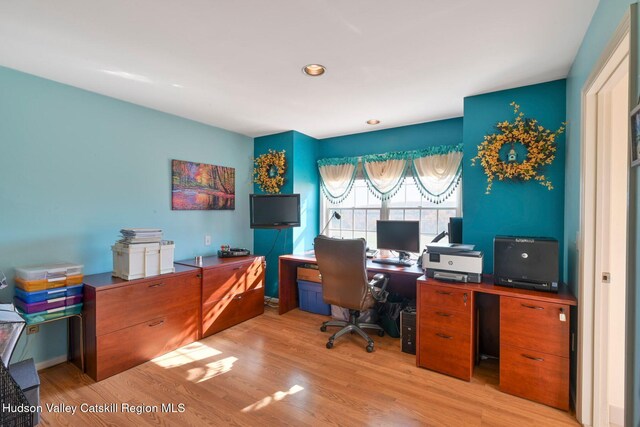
(278, 395)
(210, 370)
(185, 355)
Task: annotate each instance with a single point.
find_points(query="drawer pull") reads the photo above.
(533, 307)
(446, 337)
(157, 285)
(237, 268)
(158, 323)
(537, 359)
(440, 313)
(443, 293)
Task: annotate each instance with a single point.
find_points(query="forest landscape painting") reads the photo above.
(199, 186)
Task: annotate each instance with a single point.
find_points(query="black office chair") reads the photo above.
(342, 264)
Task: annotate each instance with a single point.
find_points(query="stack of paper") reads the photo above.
(140, 235)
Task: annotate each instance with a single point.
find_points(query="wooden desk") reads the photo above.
(534, 343)
(402, 279)
(534, 336)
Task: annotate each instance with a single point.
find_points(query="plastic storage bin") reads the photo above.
(137, 261)
(39, 296)
(54, 313)
(40, 278)
(35, 307)
(310, 298)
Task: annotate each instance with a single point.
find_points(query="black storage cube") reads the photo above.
(26, 376)
(12, 395)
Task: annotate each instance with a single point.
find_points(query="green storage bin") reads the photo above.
(52, 314)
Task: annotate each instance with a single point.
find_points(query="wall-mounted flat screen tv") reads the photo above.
(274, 210)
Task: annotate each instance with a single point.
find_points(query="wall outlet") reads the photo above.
(207, 240)
(33, 329)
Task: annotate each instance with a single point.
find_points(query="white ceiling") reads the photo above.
(237, 64)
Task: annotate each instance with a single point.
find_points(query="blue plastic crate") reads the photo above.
(39, 296)
(310, 298)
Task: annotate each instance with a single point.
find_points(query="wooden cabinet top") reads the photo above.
(213, 261)
(104, 281)
(563, 296)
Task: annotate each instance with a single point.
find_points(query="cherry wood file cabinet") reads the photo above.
(534, 335)
(446, 331)
(232, 291)
(130, 322)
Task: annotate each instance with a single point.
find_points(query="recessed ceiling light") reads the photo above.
(314, 70)
(373, 122)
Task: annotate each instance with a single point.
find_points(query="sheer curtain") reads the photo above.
(438, 175)
(437, 171)
(337, 177)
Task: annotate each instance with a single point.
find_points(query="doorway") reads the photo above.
(603, 252)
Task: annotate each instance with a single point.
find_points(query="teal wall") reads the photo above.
(77, 167)
(512, 208)
(413, 137)
(306, 183)
(603, 25)
(265, 239)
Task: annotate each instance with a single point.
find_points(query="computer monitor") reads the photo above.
(401, 236)
(455, 229)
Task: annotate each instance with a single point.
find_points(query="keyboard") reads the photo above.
(392, 261)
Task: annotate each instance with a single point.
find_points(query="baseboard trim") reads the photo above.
(616, 415)
(51, 362)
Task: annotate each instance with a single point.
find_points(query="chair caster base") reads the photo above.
(370, 348)
(323, 328)
(329, 344)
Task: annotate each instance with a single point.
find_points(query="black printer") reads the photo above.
(526, 262)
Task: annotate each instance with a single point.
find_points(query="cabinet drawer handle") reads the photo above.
(439, 313)
(157, 285)
(443, 293)
(537, 359)
(533, 307)
(237, 268)
(446, 337)
(158, 323)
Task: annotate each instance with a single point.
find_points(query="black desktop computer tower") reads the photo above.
(408, 330)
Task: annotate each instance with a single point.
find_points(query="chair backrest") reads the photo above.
(343, 266)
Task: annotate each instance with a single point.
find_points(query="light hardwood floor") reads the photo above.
(275, 370)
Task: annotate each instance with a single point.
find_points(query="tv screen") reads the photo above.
(275, 210)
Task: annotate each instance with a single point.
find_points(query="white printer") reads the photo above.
(453, 262)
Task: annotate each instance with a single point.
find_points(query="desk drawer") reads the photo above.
(535, 375)
(534, 325)
(129, 347)
(129, 305)
(445, 320)
(230, 280)
(448, 353)
(231, 310)
(445, 297)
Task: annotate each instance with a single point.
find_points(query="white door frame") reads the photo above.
(588, 375)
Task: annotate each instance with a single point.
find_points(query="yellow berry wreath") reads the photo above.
(539, 142)
(269, 171)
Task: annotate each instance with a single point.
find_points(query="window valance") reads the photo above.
(436, 171)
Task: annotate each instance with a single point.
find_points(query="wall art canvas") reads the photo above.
(199, 186)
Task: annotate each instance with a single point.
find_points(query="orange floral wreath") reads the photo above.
(540, 143)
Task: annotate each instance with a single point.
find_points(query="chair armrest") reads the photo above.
(379, 293)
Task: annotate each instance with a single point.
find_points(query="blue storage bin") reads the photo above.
(39, 296)
(310, 298)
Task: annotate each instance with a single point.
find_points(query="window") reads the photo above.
(361, 209)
